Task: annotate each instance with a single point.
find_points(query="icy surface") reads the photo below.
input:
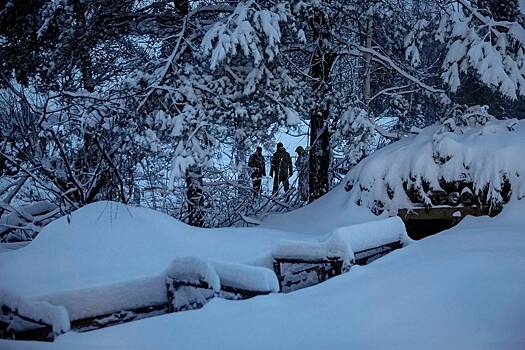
(460, 289)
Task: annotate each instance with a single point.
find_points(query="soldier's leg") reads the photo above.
(275, 185)
(257, 185)
(286, 185)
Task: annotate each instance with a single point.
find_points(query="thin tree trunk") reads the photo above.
(368, 66)
(194, 195)
(320, 153)
(194, 178)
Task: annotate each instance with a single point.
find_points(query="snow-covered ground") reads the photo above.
(108, 257)
(460, 289)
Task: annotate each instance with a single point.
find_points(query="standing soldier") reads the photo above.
(281, 168)
(258, 169)
(301, 164)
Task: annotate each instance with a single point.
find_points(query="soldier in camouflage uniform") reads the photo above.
(281, 168)
(258, 169)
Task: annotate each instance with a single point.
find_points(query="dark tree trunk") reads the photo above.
(322, 61)
(194, 183)
(194, 196)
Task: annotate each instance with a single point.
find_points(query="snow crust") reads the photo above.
(484, 155)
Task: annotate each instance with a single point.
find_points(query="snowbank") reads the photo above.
(111, 257)
(485, 158)
(106, 244)
(329, 212)
(460, 289)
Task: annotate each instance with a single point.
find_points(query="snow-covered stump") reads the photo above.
(303, 264)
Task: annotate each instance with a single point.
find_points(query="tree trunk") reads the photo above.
(368, 65)
(194, 183)
(194, 196)
(321, 65)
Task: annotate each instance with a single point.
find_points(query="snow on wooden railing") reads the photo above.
(190, 282)
(299, 264)
(20, 314)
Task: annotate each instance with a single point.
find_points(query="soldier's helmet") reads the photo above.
(280, 145)
(299, 150)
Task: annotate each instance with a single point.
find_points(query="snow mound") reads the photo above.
(39, 311)
(483, 157)
(331, 211)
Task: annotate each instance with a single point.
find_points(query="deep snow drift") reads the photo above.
(107, 256)
(460, 289)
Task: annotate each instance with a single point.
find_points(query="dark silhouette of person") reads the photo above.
(257, 169)
(281, 168)
(301, 165)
